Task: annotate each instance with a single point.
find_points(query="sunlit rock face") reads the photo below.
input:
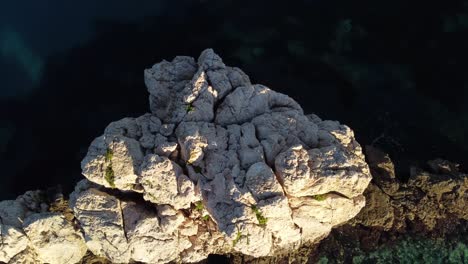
(220, 165)
(31, 233)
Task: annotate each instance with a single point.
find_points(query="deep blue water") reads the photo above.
(394, 71)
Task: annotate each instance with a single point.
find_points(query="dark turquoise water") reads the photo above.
(30, 31)
(394, 71)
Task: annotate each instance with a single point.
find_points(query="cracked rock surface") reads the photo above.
(222, 165)
(50, 233)
(219, 166)
(30, 233)
(433, 199)
(430, 206)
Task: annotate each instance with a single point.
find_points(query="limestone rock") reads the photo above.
(18, 245)
(122, 230)
(27, 256)
(247, 102)
(100, 216)
(261, 181)
(382, 169)
(286, 236)
(113, 161)
(163, 182)
(220, 165)
(427, 198)
(379, 211)
(12, 242)
(54, 238)
(431, 204)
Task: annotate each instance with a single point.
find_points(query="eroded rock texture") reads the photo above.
(401, 222)
(431, 199)
(432, 204)
(30, 233)
(224, 165)
(220, 165)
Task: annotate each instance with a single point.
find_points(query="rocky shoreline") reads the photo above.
(222, 166)
(422, 220)
(431, 224)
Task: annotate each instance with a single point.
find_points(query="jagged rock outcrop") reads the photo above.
(432, 204)
(422, 218)
(224, 165)
(30, 233)
(54, 239)
(430, 197)
(220, 165)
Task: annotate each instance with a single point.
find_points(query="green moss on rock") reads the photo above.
(189, 108)
(319, 197)
(262, 220)
(110, 176)
(199, 206)
(109, 155)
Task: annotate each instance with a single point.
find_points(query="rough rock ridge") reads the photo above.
(404, 216)
(434, 198)
(220, 165)
(30, 232)
(424, 218)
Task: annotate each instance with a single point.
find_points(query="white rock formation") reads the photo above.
(31, 234)
(224, 165)
(220, 165)
(54, 239)
(12, 242)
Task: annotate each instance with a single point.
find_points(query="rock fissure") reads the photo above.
(119, 202)
(1, 232)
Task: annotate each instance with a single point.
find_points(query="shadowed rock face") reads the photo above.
(404, 221)
(431, 201)
(220, 165)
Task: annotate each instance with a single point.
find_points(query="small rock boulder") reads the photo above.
(54, 239)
